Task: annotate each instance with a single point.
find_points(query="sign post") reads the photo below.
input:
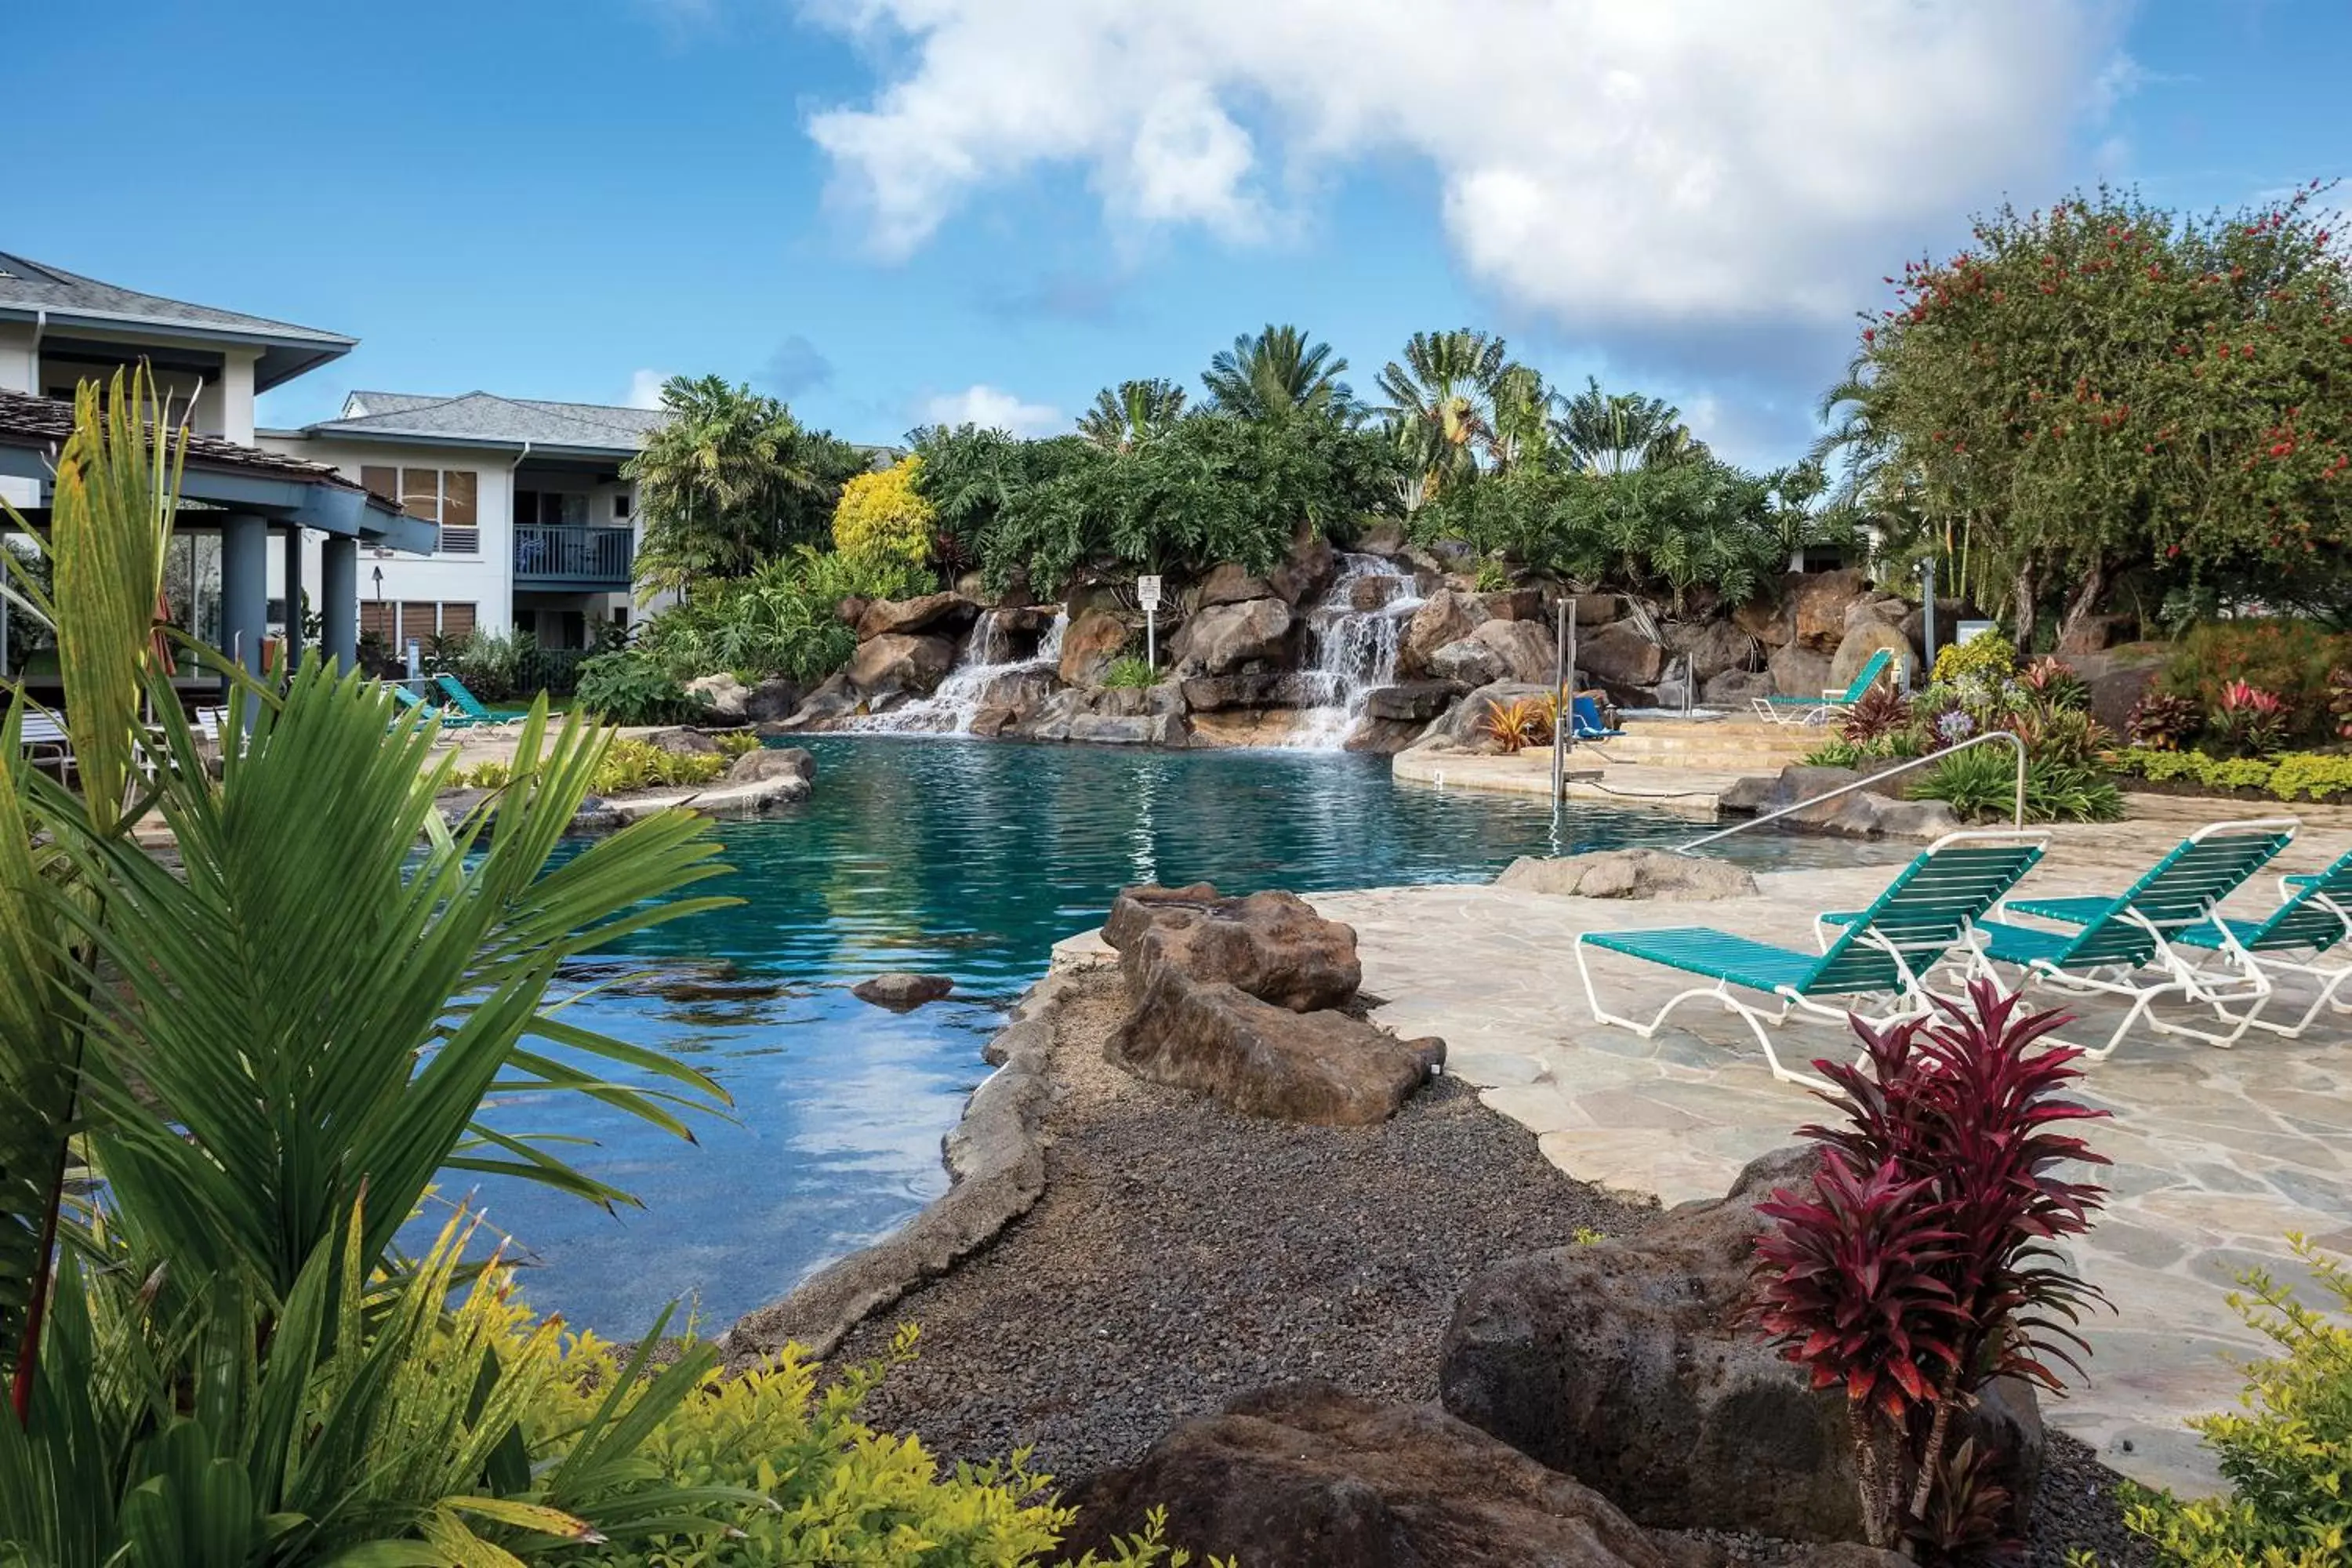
(1147, 594)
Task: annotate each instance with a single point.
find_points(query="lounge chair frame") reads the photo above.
(1818, 711)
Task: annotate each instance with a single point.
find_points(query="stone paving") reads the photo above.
(2219, 1154)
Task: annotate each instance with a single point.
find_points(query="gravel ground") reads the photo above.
(1182, 1255)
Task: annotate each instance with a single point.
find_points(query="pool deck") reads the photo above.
(2218, 1153)
(1686, 790)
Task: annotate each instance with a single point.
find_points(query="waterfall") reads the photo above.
(983, 660)
(1353, 635)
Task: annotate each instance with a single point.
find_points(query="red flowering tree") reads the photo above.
(2108, 385)
(1920, 1267)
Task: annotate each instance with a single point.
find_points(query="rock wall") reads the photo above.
(1369, 650)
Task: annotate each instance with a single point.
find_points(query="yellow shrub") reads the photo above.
(881, 517)
(632, 764)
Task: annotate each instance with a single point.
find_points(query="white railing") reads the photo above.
(1987, 738)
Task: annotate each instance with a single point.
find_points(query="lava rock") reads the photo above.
(721, 693)
(1629, 1365)
(778, 697)
(1735, 688)
(1619, 655)
(1863, 814)
(1468, 725)
(894, 665)
(1797, 670)
(1412, 701)
(1306, 1476)
(1629, 874)
(901, 991)
(685, 743)
(1223, 637)
(1816, 603)
(940, 612)
(1243, 688)
(774, 762)
(1308, 571)
(1273, 945)
(1447, 615)
(1093, 639)
(1863, 639)
(1214, 1039)
(1529, 650)
(1517, 605)
(1712, 646)
(1469, 662)
(1227, 584)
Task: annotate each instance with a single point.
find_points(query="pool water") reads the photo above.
(969, 859)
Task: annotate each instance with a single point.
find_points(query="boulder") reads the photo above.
(1766, 620)
(1735, 688)
(1089, 643)
(1447, 615)
(834, 699)
(1273, 945)
(1628, 1364)
(1383, 538)
(773, 763)
(2119, 677)
(1227, 584)
(1949, 613)
(1598, 609)
(1468, 725)
(895, 663)
(1469, 662)
(1214, 1039)
(687, 742)
(1799, 671)
(1528, 649)
(1630, 874)
(1412, 701)
(778, 697)
(1816, 603)
(1305, 1475)
(941, 611)
(1862, 640)
(1127, 730)
(1619, 655)
(721, 693)
(1712, 646)
(1517, 605)
(1864, 814)
(1366, 595)
(1221, 638)
(1877, 605)
(2096, 633)
(1243, 688)
(849, 611)
(1306, 572)
(901, 991)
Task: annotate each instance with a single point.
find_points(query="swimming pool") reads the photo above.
(967, 859)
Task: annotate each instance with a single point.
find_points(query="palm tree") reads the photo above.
(1275, 375)
(1521, 427)
(1608, 433)
(1123, 419)
(1442, 397)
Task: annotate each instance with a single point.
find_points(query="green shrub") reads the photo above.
(783, 619)
(1490, 577)
(491, 774)
(1836, 754)
(632, 687)
(1988, 656)
(1979, 784)
(2311, 770)
(632, 764)
(1128, 671)
(2058, 791)
(2289, 658)
(493, 664)
(734, 743)
(2288, 1458)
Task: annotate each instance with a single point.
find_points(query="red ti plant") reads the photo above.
(1920, 1267)
(2250, 720)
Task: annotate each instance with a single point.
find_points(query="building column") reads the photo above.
(245, 587)
(339, 600)
(293, 598)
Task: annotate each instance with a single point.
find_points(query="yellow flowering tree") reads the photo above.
(882, 516)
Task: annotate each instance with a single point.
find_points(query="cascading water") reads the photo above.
(982, 664)
(1353, 635)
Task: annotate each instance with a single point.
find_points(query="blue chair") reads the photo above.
(1584, 722)
(1887, 949)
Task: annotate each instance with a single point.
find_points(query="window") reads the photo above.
(397, 620)
(445, 497)
(621, 505)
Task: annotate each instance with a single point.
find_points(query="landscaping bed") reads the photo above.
(1182, 1255)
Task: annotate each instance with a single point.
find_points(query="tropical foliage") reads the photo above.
(883, 517)
(2104, 387)
(728, 480)
(784, 619)
(1919, 1267)
(1275, 375)
(1124, 418)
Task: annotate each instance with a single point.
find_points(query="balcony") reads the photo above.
(573, 559)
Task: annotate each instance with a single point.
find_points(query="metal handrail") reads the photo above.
(1988, 737)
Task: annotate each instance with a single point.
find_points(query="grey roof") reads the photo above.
(482, 418)
(31, 289)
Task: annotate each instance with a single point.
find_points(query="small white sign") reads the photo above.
(1147, 592)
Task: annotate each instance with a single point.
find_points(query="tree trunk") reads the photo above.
(2084, 601)
(2025, 589)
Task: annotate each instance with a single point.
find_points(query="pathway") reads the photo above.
(2218, 1153)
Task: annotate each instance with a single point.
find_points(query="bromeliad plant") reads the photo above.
(1920, 1267)
(2249, 721)
(1517, 724)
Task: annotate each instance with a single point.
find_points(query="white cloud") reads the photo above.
(644, 388)
(991, 408)
(1603, 165)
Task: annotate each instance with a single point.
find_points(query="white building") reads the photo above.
(537, 529)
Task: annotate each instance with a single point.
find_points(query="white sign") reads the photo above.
(1147, 592)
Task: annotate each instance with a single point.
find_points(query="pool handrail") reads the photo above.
(2017, 813)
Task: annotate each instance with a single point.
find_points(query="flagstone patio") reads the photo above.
(2219, 1154)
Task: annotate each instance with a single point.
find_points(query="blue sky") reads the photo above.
(892, 210)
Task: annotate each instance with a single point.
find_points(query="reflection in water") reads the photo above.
(965, 859)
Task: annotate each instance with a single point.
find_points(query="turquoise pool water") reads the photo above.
(970, 859)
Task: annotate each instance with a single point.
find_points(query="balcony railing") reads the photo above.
(583, 558)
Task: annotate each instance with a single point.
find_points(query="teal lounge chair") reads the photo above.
(2122, 946)
(2314, 917)
(1925, 912)
(410, 702)
(464, 701)
(1818, 710)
